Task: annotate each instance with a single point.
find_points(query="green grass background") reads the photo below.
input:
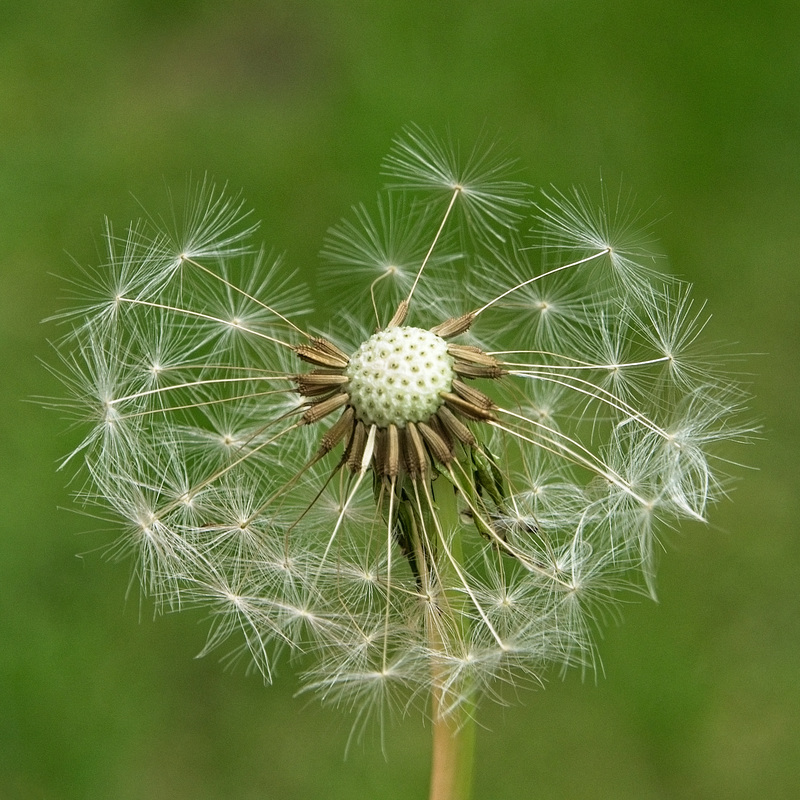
(693, 103)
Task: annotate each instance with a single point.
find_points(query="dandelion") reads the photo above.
(438, 491)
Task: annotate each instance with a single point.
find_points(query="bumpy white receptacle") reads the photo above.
(396, 376)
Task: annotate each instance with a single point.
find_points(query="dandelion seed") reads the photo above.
(437, 509)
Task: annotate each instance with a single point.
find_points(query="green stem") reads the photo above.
(453, 754)
(453, 728)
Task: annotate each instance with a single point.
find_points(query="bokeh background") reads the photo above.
(695, 104)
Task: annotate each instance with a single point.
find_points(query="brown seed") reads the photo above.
(322, 353)
(472, 395)
(400, 315)
(311, 384)
(341, 428)
(387, 452)
(467, 409)
(416, 458)
(454, 326)
(322, 408)
(437, 446)
(472, 362)
(436, 425)
(466, 370)
(456, 427)
(356, 447)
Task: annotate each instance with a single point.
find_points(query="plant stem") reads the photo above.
(453, 723)
(453, 753)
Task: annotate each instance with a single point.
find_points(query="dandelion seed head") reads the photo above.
(438, 487)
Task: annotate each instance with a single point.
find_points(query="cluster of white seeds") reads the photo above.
(397, 375)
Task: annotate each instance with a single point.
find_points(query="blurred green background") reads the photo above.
(693, 103)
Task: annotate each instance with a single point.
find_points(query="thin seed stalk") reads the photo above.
(453, 726)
